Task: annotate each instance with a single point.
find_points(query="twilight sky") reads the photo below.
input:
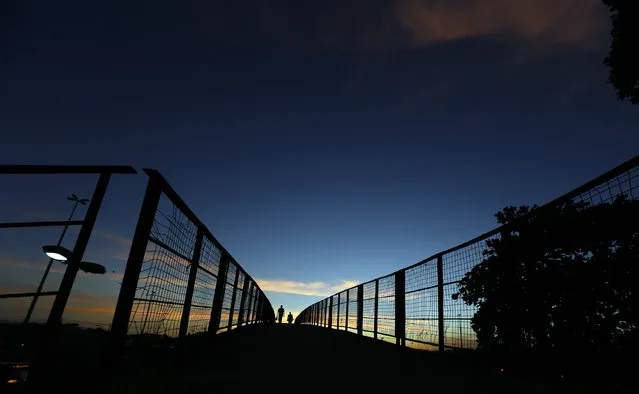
(324, 143)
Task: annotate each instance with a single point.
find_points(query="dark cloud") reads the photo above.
(575, 22)
(370, 49)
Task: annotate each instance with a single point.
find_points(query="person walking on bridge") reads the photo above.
(280, 314)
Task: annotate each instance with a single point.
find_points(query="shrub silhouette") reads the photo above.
(623, 58)
(560, 278)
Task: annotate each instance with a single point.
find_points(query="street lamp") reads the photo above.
(62, 254)
(56, 254)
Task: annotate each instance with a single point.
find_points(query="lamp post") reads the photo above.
(459, 322)
(77, 201)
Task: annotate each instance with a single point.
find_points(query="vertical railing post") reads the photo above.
(232, 311)
(259, 314)
(218, 297)
(348, 292)
(255, 310)
(400, 308)
(325, 312)
(188, 296)
(122, 314)
(246, 288)
(339, 304)
(360, 309)
(266, 309)
(257, 307)
(73, 265)
(440, 301)
(330, 312)
(376, 309)
(250, 306)
(254, 304)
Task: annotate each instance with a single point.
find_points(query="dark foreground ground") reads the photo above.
(304, 359)
(310, 359)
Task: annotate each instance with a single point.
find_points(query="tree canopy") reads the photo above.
(559, 277)
(623, 58)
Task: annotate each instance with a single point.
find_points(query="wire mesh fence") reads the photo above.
(179, 279)
(414, 306)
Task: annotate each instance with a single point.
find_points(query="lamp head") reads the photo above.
(92, 268)
(58, 253)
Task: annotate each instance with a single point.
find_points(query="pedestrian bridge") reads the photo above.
(212, 328)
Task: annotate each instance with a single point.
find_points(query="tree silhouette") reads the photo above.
(623, 59)
(560, 277)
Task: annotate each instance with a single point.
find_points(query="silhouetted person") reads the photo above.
(290, 318)
(280, 314)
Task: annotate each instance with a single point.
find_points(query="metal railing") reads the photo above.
(179, 280)
(414, 306)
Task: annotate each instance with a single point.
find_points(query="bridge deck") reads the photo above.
(310, 359)
(306, 359)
